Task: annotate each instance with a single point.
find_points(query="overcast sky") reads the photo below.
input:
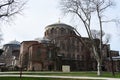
(40, 13)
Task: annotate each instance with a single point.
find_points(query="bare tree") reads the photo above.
(85, 9)
(10, 8)
(96, 34)
(107, 38)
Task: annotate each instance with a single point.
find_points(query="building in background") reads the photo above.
(10, 56)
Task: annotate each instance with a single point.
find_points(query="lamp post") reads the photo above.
(20, 67)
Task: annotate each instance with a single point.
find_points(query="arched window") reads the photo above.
(62, 31)
(71, 32)
(52, 30)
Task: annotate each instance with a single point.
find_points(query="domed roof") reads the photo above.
(42, 40)
(62, 25)
(45, 41)
(14, 42)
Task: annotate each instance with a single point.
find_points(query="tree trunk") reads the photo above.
(98, 68)
(98, 61)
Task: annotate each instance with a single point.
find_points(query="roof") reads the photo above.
(14, 42)
(61, 25)
(43, 40)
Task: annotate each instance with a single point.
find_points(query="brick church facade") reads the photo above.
(62, 46)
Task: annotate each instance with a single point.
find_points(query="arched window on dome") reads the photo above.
(57, 30)
(72, 32)
(52, 31)
(62, 31)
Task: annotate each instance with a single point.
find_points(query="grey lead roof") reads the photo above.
(59, 25)
(14, 42)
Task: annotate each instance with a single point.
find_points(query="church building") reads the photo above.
(62, 46)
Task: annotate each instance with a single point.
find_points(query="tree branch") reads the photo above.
(8, 3)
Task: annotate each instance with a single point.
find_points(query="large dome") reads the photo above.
(57, 30)
(61, 25)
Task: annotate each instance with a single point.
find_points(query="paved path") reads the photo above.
(73, 77)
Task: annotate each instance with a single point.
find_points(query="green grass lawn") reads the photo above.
(89, 74)
(82, 73)
(29, 78)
